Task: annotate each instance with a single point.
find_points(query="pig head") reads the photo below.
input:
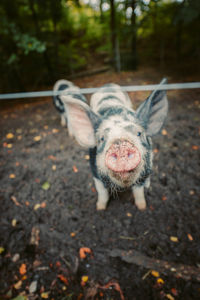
(118, 138)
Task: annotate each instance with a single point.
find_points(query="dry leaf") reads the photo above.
(10, 136)
(75, 169)
(87, 157)
(43, 205)
(63, 279)
(174, 292)
(73, 234)
(84, 278)
(54, 167)
(83, 251)
(170, 297)
(45, 295)
(9, 146)
(13, 198)
(22, 269)
(194, 147)
(18, 285)
(36, 206)
(174, 239)
(164, 198)
(37, 138)
(54, 130)
(190, 237)
(46, 185)
(160, 281)
(14, 222)
(12, 176)
(129, 215)
(164, 132)
(2, 250)
(155, 150)
(155, 273)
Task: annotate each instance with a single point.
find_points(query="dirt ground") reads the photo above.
(53, 242)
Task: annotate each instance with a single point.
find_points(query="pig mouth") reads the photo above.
(122, 159)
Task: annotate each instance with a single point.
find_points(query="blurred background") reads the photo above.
(45, 40)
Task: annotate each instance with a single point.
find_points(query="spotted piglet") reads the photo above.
(118, 138)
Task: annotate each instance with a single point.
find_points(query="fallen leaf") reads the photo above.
(160, 281)
(192, 192)
(36, 206)
(155, 150)
(174, 239)
(84, 278)
(35, 236)
(10, 136)
(5, 145)
(43, 205)
(54, 167)
(14, 222)
(164, 132)
(27, 203)
(129, 215)
(19, 137)
(170, 297)
(16, 257)
(13, 198)
(37, 138)
(164, 198)
(75, 169)
(45, 295)
(190, 237)
(33, 287)
(52, 157)
(19, 130)
(83, 251)
(73, 234)
(22, 269)
(155, 273)
(194, 147)
(54, 130)
(9, 146)
(87, 157)
(63, 279)
(12, 176)
(174, 292)
(46, 185)
(2, 250)
(18, 285)
(46, 127)
(17, 164)
(20, 297)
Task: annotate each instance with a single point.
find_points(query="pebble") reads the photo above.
(16, 257)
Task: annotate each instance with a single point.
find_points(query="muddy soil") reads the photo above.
(48, 213)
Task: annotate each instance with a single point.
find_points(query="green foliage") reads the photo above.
(42, 41)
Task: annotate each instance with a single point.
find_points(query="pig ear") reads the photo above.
(82, 121)
(153, 112)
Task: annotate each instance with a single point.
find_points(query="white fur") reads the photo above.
(103, 195)
(140, 201)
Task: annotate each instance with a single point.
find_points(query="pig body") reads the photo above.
(118, 138)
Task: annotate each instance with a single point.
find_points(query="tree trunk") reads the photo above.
(114, 39)
(134, 36)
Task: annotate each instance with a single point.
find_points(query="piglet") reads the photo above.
(118, 138)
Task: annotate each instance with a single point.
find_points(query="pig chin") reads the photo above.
(125, 178)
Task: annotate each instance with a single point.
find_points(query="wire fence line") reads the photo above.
(129, 88)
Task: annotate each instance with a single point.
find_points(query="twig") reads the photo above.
(178, 270)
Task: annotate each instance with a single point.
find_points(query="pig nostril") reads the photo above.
(114, 156)
(130, 155)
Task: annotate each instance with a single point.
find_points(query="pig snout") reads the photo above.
(122, 157)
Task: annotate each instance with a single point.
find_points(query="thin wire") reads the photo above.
(130, 88)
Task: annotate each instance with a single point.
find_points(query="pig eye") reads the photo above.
(101, 139)
(139, 133)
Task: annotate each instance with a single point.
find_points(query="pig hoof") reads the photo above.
(100, 206)
(141, 206)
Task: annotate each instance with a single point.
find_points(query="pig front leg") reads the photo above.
(103, 194)
(140, 201)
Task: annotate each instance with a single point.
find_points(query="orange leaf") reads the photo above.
(75, 169)
(83, 251)
(63, 279)
(22, 269)
(43, 204)
(190, 237)
(164, 198)
(194, 147)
